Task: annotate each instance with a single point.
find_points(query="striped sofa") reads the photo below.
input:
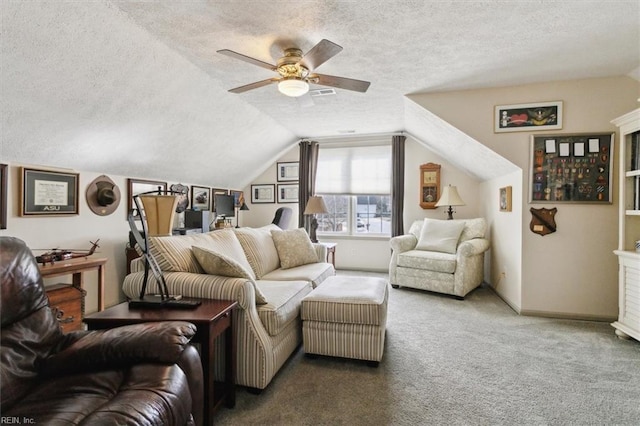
(257, 267)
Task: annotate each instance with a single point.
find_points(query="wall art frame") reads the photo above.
(138, 186)
(528, 117)
(201, 198)
(48, 192)
(3, 195)
(572, 168)
(505, 198)
(288, 171)
(288, 193)
(238, 197)
(263, 193)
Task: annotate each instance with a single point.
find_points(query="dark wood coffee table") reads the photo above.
(212, 318)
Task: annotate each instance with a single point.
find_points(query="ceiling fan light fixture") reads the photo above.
(293, 87)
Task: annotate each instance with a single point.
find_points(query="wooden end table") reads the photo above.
(76, 267)
(211, 318)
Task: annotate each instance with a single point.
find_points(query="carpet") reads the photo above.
(452, 362)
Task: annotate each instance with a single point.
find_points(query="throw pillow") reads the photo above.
(226, 242)
(259, 249)
(294, 248)
(440, 235)
(215, 263)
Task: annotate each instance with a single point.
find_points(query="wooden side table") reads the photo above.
(76, 267)
(212, 318)
(331, 252)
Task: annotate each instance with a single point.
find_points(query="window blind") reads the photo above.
(355, 170)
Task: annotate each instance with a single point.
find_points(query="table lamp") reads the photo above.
(243, 207)
(315, 205)
(450, 198)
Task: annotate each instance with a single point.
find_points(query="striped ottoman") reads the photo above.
(346, 316)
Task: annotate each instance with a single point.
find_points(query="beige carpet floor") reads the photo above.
(451, 362)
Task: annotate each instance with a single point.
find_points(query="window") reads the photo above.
(355, 183)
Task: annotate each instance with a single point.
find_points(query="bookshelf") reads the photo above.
(628, 324)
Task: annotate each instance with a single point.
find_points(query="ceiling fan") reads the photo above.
(296, 70)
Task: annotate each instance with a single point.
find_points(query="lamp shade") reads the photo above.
(293, 87)
(159, 211)
(450, 197)
(316, 205)
(244, 207)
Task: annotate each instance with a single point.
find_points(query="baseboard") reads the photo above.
(565, 315)
(511, 304)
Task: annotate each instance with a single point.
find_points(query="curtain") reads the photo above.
(307, 179)
(397, 185)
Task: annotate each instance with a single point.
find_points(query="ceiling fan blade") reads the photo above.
(255, 85)
(342, 82)
(246, 58)
(319, 54)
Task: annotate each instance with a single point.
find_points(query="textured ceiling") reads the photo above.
(172, 85)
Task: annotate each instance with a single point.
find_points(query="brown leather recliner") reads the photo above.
(141, 374)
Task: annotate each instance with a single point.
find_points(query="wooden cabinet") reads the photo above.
(628, 324)
(67, 304)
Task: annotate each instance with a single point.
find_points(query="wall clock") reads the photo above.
(429, 185)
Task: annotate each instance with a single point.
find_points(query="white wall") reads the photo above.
(572, 272)
(75, 232)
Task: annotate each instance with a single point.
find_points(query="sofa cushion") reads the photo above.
(439, 235)
(259, 248)
(285, 299)
(174, 254)
(227, 243)
(314, 272)
(428, 260)
(294, 248)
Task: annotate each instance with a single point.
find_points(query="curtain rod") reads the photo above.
(353, 136)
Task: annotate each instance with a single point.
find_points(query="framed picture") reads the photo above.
(3, 196)
(214, 192)
(505, 199)
(571, 168)
(138, 186)
(238, 198)
(263, 193)
(528, 117)
(288, 193)
(200, 198)
(48, 193)
(288, 171)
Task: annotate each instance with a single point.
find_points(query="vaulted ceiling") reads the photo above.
(138, 88)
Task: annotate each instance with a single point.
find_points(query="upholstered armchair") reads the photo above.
(444, 256)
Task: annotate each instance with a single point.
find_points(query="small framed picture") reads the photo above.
(263, 193)
(238, 198)
(138, 186)
(528, 117)
(200, 198)
(288, 193)
(48, 193)
(505, 199)
(3, 196)
(288, 171)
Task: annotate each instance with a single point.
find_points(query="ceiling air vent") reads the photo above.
(322, 92)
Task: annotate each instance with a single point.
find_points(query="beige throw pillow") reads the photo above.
(440, 235)
(215, 263)
(294, 248)
(259, 249)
